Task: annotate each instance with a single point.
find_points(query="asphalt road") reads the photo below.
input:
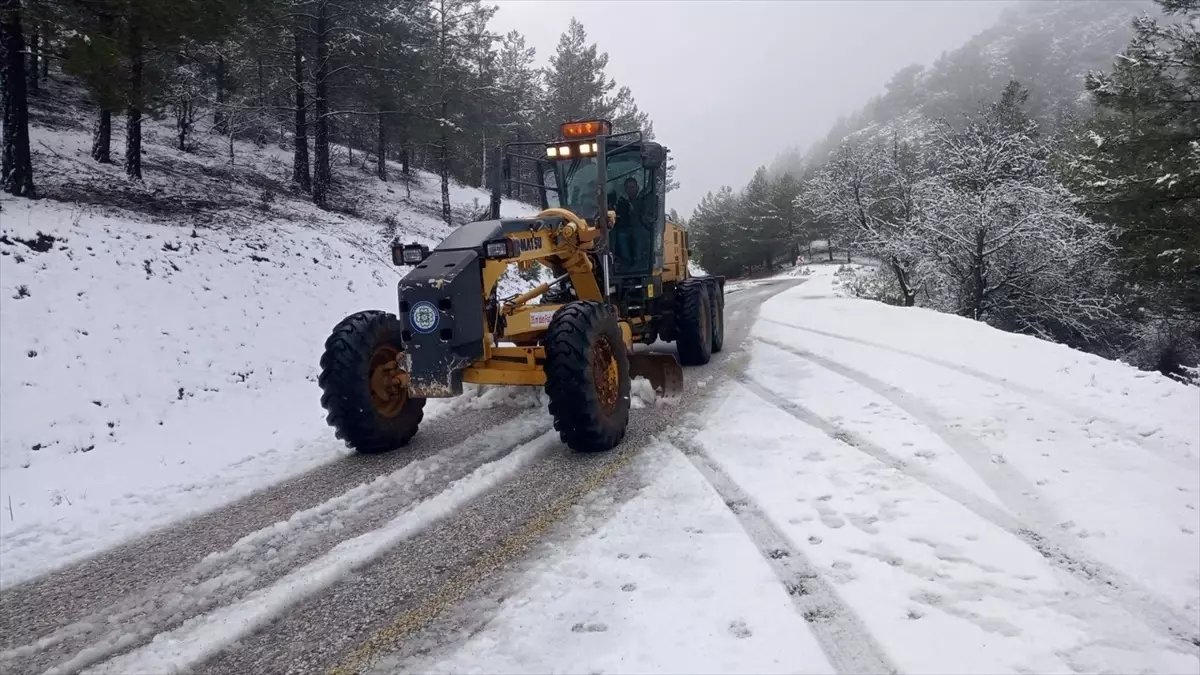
(118, 601)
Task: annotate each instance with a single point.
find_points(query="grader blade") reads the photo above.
(662, 370)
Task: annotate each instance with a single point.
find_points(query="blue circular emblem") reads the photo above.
(424, 317)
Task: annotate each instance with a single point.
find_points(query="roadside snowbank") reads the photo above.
(152, 370)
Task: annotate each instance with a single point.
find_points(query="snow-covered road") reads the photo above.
(849, 487)
(915, 492)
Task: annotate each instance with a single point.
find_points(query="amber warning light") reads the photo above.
(589, 129)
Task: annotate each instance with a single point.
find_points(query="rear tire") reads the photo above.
(717, 302)
(587, 376)
(368, 419)
(693, 323)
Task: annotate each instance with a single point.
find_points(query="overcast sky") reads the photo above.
(729, 83)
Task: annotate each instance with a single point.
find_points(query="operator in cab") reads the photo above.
(634, 224)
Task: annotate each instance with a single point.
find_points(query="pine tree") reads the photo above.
(1139, 163)
(577, 87)
(713, 231)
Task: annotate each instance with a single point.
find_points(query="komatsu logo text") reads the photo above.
(527, 244)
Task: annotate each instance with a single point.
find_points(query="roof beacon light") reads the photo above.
(588, 129)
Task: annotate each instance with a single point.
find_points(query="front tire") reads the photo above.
(365, 410)
(587, 376)
(693, 323)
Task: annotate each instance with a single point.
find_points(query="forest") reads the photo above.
(423, 83)
(1072, 215)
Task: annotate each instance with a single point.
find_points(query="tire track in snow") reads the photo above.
(943, 486)
(1012, 489)
(266, 555)
(40, 606)
(1118, 427)
(844, 638)
(207, 635)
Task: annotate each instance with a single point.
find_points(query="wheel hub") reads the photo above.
(388, 390)
(605, 375)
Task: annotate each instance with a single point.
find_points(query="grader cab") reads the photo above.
(617, 277)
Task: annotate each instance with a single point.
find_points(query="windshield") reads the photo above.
(579, 181)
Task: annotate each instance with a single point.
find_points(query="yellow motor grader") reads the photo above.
(574, 334)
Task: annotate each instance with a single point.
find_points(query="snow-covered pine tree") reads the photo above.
(520, 101)
(1137, 161)
(576, 84)
(784, 229)
(712, 231)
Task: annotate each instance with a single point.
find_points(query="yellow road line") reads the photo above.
(388, 638)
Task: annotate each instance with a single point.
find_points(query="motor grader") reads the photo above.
(583, 334)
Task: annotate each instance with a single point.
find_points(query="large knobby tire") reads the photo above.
(369, 418)
(587, 376)
(693, 323)
(717, 304)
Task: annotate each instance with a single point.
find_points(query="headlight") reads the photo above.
(408, 254)
(498, 249)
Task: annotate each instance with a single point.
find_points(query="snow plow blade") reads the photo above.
(662, 371)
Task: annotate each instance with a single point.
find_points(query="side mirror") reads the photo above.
(653, 155)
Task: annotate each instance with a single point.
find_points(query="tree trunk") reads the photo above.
(910, 295)
(220, 120)
(45, 60)
(322, 176)
(381, 149)
(102, 137)
(34, 50)
(978, 277)
(300, 172)
(483, 162)
(133, 116)
(183, 123)
(444, 166)
(16, 163)
(260, 138)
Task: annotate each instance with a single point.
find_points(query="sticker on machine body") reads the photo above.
(538, 319)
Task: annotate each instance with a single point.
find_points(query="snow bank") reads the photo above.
(152, 369)
(943, 583)
(880, 427)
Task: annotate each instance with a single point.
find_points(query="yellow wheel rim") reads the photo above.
(387, 396)
(606, 375)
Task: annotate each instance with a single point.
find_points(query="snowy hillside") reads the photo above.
(161, 339)
(1047, 45)
(882, 490)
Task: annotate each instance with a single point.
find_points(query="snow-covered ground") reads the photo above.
(159, 365)
(915, 491)
(667, 584)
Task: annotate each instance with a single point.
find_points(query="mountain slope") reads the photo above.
(1047, 45)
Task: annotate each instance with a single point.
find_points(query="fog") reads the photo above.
(729, 84)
